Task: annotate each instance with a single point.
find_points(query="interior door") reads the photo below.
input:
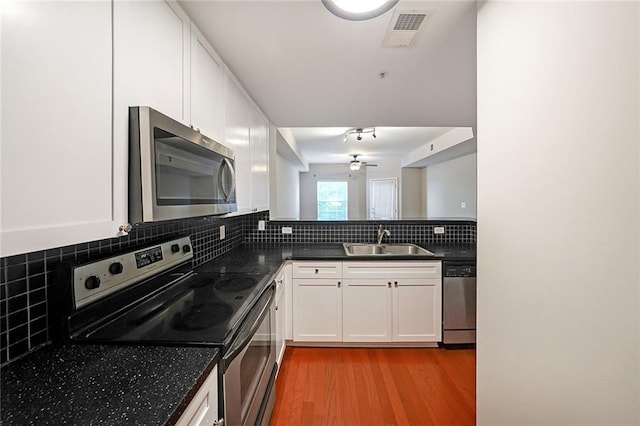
(383, 199)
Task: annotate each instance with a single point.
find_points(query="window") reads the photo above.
(332, 200)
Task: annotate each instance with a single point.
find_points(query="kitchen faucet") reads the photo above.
(382, 233)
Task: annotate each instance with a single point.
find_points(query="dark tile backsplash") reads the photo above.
(26, 279)
(419, 231)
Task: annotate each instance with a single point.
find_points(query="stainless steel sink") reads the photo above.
(356, 249)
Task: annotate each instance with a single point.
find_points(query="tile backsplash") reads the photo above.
(26, 279)
(415, 231)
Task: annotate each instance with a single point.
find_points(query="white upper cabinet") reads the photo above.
(259, 136)
(149, 59)
(207, 101)
(70, 72)
(236, 136)
(59, 177)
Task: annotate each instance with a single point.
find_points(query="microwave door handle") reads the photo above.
(227, 195)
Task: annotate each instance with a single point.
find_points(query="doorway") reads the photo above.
(383, 199)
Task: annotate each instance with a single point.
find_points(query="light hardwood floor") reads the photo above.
(338, 386)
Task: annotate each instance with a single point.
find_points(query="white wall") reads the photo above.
(287, 189)
(450, 183)
(558, 213)
(412, 197)
(356, 187)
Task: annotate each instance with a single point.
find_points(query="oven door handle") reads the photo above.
(249, 327)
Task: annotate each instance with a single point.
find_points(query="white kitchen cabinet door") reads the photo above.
(367, 309)
(259, 160)
(236, 137)
(151, 60)
(288, 315)
(417, 306)
(150, 68)
(280, 318)
(61, 181)
(317, 310)
(207, 101)
(203, 408)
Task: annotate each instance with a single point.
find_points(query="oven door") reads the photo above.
(249, 367)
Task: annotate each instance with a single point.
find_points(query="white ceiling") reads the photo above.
(326, 145)
(306, 67)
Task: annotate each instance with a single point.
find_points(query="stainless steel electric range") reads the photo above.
(152, 296)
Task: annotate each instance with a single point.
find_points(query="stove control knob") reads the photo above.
(92, 282)
(186, 248)
(175, 248)
(116, 268)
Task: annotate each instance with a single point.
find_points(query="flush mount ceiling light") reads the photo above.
(358, 10)
(359, 132)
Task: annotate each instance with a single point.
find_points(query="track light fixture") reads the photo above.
(359, 131)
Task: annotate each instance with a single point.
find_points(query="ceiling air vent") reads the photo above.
(404, 27)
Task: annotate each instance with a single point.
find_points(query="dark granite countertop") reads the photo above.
(103, 384)
(255, 258)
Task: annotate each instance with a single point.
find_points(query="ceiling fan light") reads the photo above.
(355, 166)
(358, 10)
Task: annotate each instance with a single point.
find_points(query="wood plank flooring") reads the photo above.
(344, 386)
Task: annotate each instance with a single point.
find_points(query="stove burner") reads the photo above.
(233, 283)
(200, 281)
(202, 316)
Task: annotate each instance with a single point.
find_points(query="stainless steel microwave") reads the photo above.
(175, 171)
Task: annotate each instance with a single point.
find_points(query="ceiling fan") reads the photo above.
(355, 164)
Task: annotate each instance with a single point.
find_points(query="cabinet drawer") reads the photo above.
(317, 269)
(392, 269)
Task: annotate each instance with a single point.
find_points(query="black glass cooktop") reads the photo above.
(201, 309)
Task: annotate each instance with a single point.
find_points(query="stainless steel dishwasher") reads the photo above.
(459, 303)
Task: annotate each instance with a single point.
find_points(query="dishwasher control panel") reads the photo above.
(460, 270)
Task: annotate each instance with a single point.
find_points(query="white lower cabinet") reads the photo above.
(367, 307)
(391, 310)
(392, 301)
(317, 310)
(417, 310)
(367, 302)
(203, 408)
(317, 301)
(288, 312)
(281, 309)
